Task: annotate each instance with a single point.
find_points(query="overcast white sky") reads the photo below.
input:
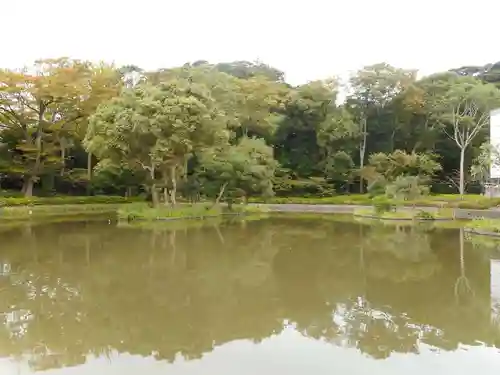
(308, 39)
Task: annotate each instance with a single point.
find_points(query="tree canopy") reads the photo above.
(70, 126)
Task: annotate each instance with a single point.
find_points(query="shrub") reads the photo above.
(145, 212)
(382, 205)
(424, 215)
(377, 187)
(407, 188)
(10, 193)
(313, 186)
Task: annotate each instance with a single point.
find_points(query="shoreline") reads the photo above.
(43, 211)
(372, 217)
(39, 212)
(458, 213)
(193, 217)
(479, 232)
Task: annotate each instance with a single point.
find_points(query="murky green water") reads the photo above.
(277, 296)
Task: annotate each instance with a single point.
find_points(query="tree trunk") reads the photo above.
(89, 166)
(362, 150)
(185, 168)
(392, 140)
(173, 192)
(154, 196)
(89, 172)
(28, 191)
(462, 166)
(361, 165)
(221, 193)
(63, 160)
(29, 182)
(165, 197)
(154, 191)
(165, 188)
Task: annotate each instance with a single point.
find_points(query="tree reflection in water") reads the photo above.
(73, 290)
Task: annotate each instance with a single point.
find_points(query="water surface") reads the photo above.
(275, 296)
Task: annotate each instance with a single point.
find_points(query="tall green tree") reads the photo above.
(371, 90)
(157, 128)
(337, 139)
(245, 168)
(308, 108)
(42, 106)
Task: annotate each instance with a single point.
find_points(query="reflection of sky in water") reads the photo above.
(495, 290)
(286, 353)
(17, 321)
(5, 269)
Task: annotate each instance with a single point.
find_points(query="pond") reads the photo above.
(273, 296)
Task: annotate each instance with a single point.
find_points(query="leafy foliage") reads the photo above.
(406, 188)
(238, 129)
(246, 168)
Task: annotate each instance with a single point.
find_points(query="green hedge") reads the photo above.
(63, 200)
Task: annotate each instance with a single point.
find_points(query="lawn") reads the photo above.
(29, 212)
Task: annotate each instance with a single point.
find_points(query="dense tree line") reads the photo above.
(238, 129)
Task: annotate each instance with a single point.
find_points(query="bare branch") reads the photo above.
(146, 167)
(24, 102)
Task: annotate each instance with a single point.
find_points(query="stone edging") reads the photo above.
(402, 218)
(482, 232)
(459, 213)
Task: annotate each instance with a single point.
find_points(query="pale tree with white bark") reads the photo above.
(489, 156)
(465, 113)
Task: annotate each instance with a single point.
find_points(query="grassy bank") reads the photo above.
(30, 212)
(14, 223)
(64, 200)
(441, 201)
(142, 211)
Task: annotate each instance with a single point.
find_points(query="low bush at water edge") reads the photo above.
(142, 211)
(145, 212)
